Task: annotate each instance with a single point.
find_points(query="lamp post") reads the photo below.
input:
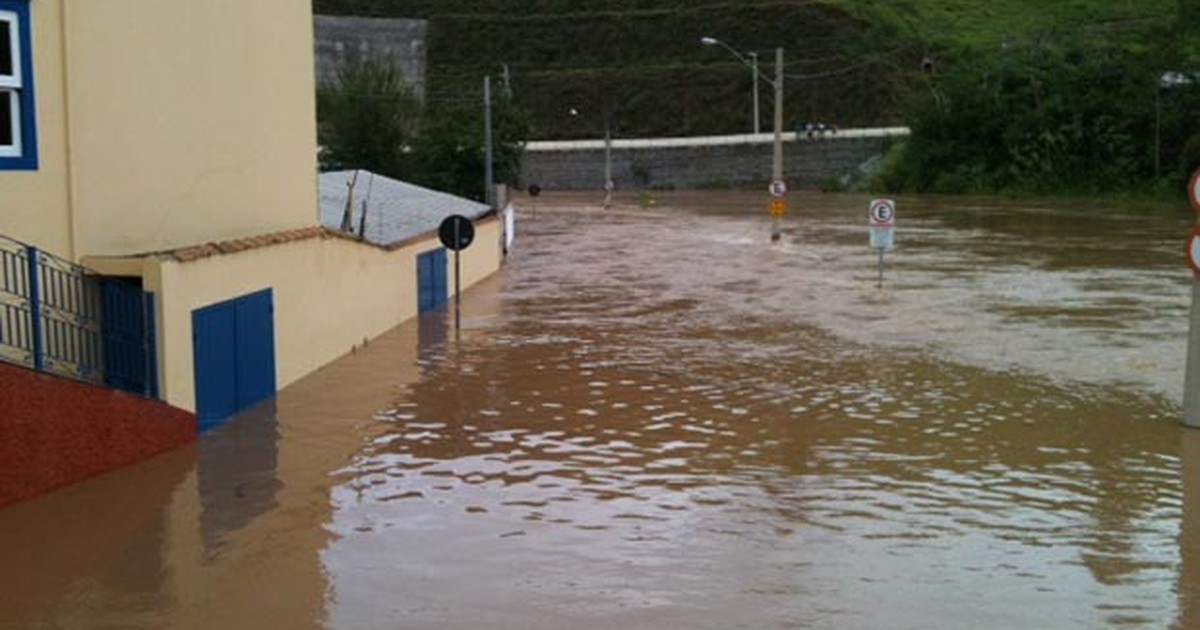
(608, 180)
(777, 183)
(752, 61)
(777, 154)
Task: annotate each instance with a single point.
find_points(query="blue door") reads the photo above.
(130, 358)
(431, 280)
(233, 346)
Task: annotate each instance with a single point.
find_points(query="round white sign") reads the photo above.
(777, 188)
(1194, 191)
(883, 212)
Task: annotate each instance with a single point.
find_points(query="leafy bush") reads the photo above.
(365, 119)
(1058, 116)
(449, 153)
(369, 118)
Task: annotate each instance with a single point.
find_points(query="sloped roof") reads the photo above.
(395, 210)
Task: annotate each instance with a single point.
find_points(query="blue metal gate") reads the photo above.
(431, 280)
(233, 345)
(59, 317)
(130, 355)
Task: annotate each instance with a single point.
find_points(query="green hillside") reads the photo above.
(1002, 95)
(640, 64)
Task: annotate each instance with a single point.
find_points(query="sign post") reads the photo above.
(457, 232)
(778, 207)
(883, 230)
(1191, 375)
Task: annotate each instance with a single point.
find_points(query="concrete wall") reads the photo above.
(194, 122)
(330, 294)
(345, 40)
(163, 124)
(35, 203)
(57, 431)
(717, 162)
(481, 259)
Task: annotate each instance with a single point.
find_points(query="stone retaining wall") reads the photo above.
(721, 162)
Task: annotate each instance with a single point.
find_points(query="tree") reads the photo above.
(369, 118)
(448, 154)
(366, 119)
(1058, 116)
(1189, 14)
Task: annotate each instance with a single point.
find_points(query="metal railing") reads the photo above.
(61, 318)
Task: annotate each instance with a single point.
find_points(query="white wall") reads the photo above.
(329, 294)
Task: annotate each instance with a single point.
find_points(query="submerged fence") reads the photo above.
(59, 317)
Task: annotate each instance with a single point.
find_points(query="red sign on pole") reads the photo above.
(883, 213)
(1193, 251)
(1194, 191)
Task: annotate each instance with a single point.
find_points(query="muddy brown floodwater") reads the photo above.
(654, 419)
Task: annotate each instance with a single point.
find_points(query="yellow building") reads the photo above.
(172, 145)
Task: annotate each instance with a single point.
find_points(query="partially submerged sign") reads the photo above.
(1194, 191)
(883, 237)
(456, 232)
(883, 229)
(1191, 374)
(883, 224)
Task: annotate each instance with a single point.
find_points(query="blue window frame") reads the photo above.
(18, 128)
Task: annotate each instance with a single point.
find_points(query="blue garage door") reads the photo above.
(431, 280)
(233, 347)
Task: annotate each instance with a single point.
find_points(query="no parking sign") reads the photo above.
(883, 224)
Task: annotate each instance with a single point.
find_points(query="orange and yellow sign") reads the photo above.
(778, 208)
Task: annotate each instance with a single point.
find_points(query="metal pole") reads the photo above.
(754, 68)
(35, 310)
(777, 161)
(488, 176)
(608, 181)
(1189, 529)
(457, 283)
(1191, 379)
(879, 284)
(777, 168)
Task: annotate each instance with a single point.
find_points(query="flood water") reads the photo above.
(654, 418)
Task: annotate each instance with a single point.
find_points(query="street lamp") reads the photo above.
(777, 153)
(752, 62)
(609, 186)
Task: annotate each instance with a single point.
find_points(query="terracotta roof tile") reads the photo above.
(232, 246)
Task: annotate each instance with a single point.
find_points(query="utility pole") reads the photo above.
(754, 69)
(489, 183)
(608, 180)
(777, 162)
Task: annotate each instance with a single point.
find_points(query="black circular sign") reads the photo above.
(456, 232)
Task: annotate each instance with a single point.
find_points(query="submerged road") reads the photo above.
(654, 419)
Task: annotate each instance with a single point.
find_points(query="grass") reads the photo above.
(639, 63)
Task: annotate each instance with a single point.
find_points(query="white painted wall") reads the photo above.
(329, 295)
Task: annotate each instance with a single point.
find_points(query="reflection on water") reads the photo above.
(654, 420)
(238, 475)
(92, 555)
(1189, 539)
(707, 432)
